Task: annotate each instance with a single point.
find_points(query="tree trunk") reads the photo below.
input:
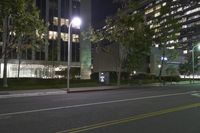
(19, 57)
(119, 75)
(19, 64)
(5, 83)
(162, 64)
(5, 46)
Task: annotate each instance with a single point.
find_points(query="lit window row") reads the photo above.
(149, 11)
(158, 1)
(53, 35)
(172, 42)
(175, 6)
(192, 11)
(191, 25)
(158, 7)
(178, 10)
(62, 22)
(154, 26)
(194, 17)
(157, 14)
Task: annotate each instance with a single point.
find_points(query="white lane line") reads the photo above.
(92, 104)
(196, 94)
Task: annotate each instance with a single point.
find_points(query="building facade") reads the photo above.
(186, 13)
(49, 60)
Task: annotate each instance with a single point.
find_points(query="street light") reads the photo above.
(196, 46)
(76, 22)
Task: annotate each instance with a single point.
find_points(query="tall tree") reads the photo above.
(21, 26)
(166, 33)
(128, 29)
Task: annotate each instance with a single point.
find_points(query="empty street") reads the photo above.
(174, 109)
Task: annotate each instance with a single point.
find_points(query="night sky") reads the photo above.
(101, 9)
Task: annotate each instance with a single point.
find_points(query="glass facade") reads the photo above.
(44, 59)
(186, 14)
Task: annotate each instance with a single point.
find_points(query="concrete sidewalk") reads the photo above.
(45, 92)
(29, 93)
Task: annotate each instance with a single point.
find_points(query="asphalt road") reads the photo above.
(169, 109)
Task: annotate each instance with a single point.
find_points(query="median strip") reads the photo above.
(130, 119)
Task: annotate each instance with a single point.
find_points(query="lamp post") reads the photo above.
(193, 59)
(76, 22)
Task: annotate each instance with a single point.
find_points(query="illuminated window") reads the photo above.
(184, 39)
(172, 47)
(185, 52)
(178, 34)
(184, 19)
(180, 9)
(158, 1)
(184, 26)
(194, 17)
(149, 11)
(164, 4)
(55, 21)
(157, 14)
(64, 37)
(163, 21)
(149, 22)
(173, 12)
(53, 35)
(158, 7)
(192, 11)
(156, 30)
(75, 38)
(62, 21)
(151, 26)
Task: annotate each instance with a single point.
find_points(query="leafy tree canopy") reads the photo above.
(24, 20)
(128, 29)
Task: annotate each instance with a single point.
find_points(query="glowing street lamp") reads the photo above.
(196, 46)
(76, 22)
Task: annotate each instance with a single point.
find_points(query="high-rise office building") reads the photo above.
(49, 60)
(186, 13)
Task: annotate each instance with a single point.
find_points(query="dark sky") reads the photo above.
(101, 9)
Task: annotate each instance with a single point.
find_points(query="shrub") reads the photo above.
(143, 76)
(171, 78)
(94, 76)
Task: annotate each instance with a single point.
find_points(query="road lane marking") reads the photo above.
(196, 94)
(93, 104)
(130, 119)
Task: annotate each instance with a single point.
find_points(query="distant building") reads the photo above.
(187, 13)
(50, 59)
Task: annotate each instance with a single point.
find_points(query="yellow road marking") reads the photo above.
(130, 119)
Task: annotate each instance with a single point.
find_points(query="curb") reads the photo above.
(92, 89)
(31, 93)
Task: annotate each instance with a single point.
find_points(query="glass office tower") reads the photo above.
(49, 60)
(186, 12)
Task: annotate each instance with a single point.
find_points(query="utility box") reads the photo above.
(104, 78)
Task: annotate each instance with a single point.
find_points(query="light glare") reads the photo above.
(76, 22)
